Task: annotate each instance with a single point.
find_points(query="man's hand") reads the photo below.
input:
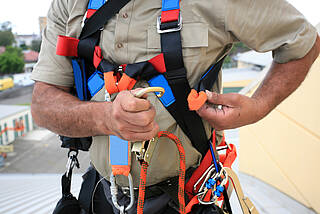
(227, 111)
(128, 117)
(132, 118)
(238, 110)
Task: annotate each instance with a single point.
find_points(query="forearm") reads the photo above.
(57, 110)
(282, 80)
(238, 110)
(128, 117)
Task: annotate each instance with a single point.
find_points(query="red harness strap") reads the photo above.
(67, 46)
(170, 15)
(90, 12)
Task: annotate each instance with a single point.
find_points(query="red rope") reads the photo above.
(142, 187)
(182, 173)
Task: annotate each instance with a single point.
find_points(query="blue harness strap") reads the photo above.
(80, 80)
(95, 4)
(170, 5)
(120, 155)
(160, 81)
(95, 83)
(79, 68)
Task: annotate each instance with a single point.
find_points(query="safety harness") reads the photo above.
(92, 72)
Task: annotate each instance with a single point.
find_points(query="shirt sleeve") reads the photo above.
(51, 68)
(273, 25)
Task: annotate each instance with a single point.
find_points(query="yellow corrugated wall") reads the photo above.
(283, 149)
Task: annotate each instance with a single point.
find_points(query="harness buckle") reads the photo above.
(174, 29)
(144, 149)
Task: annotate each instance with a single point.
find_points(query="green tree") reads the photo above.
(11, 61)
(238, 47)
(24, 47)
(35, 45)
(6, 38)
(6, 35)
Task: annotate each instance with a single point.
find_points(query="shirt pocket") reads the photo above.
(194, 39)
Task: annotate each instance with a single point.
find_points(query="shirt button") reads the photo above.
(119, 45)
(125, 15)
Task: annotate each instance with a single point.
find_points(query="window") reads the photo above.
(15, 124)
(1, 133)
(21, 124)
(26, 123)
(6, 133)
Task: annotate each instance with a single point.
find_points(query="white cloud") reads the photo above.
(24, 14)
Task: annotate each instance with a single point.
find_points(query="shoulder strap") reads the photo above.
(101, 17)
(169, 26)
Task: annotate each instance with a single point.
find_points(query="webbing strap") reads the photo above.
(189, 121)
(120, 155)
(101, 17)
(197, 96)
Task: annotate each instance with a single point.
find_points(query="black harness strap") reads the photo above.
(101, 17)
(176, 75)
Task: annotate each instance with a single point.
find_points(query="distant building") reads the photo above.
(25, 39)
(253, 59)
(30, 59)
(2, 49)
(42, 23)
(235, 79)
(15, 121)
(30, 56)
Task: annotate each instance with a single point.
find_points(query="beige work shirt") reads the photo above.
(209, 30)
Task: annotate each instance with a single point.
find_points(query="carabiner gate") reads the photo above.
(114, 193)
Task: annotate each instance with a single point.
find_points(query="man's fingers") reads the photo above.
(133, 118)
(140, 136)
(230, 99)
(143, 118)
(127, 127)
(133, 104)
(208, 112)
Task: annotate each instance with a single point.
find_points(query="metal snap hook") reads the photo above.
(143, 91)
(114, 193)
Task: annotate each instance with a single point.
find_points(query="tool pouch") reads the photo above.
(68, 204)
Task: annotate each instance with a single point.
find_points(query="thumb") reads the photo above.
(221, 99)
(214, 98)
(135, 92)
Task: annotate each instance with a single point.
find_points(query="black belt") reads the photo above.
(169, 186)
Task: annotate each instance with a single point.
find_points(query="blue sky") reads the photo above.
(24, 13)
